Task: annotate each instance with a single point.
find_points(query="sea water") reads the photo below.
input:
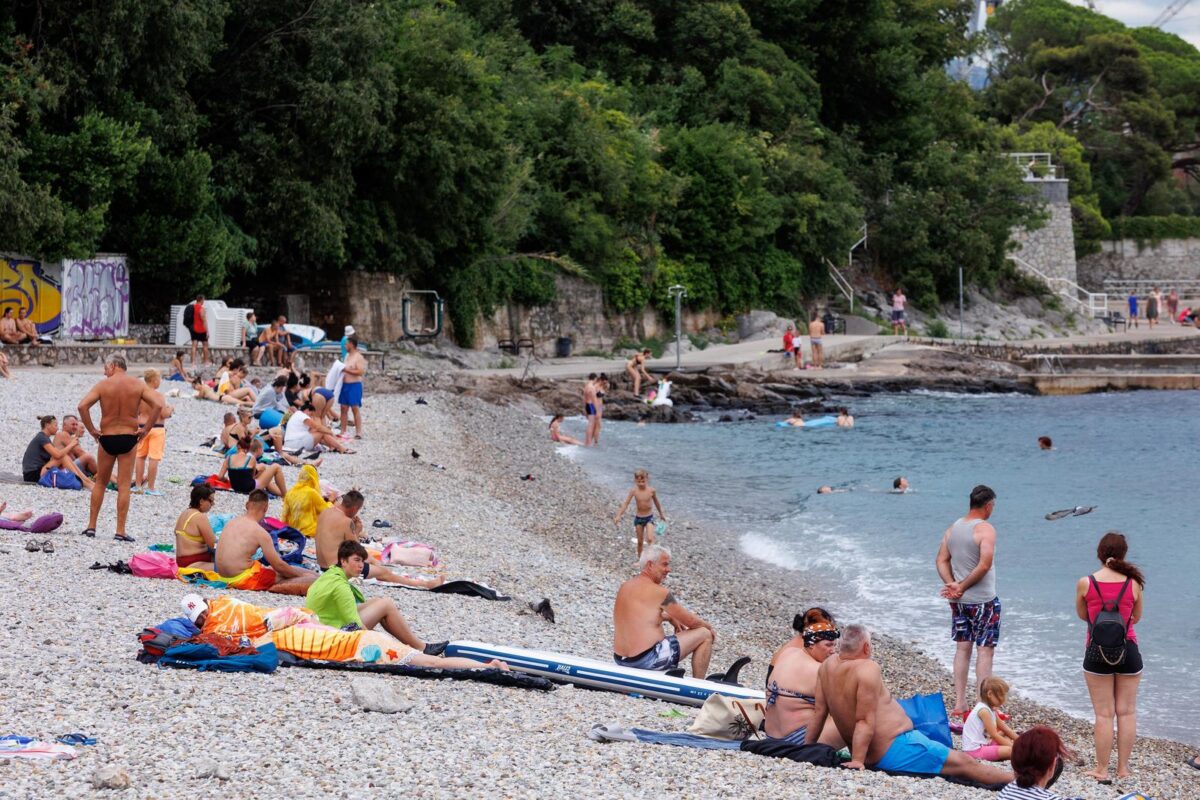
(1134, 456)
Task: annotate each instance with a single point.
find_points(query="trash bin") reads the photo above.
(562, 347)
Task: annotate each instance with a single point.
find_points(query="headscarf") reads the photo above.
(819, 631)
(303, 503)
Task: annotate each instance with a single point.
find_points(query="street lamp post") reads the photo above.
(678, 292)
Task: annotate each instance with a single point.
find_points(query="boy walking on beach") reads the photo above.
(643, 516)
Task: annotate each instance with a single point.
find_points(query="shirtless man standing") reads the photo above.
(816, 332)
(642, 605)
(340, 523)
(119, 396)
(589, 409)
(350, 397)
(241, 538)
(850, 690)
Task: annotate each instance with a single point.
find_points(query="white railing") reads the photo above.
(1094, 303)
(1121, 286)
(1036, 166)
(843, 285)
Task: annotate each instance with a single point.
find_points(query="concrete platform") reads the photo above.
(1086, 383)
(153, 355)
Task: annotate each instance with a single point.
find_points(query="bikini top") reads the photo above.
(191, 537)
(774, 692)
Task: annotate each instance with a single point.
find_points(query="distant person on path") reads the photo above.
(195, 542)
(351, 397)
(197, 326)
(1113, 673)
(965, 564)
(42, 453)
(898, 318)
(1173, 305)
(792, 680)
(1133, 308)
(647, 502)
(985, 736)
(120, 396)
(250, 338)
(556, 435)
(816, 333)
(636, 369)
(152, 446)
(8, 330)
(1152, 305)
(850, 690)
(641, 607)
(1037, 760)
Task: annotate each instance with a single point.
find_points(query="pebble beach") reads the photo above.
(69, 635)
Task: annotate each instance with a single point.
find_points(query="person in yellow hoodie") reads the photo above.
(304, 502)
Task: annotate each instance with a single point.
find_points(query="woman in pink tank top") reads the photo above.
(1113, 687)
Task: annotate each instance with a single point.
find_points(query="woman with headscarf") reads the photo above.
(792, 680)
(304, 502)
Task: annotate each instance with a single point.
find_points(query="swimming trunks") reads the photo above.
(153, 444)
(913, 751)
(351, 395)
(589, 410)
(815, 341)
(660, 657)
(976, 622)
(118, 444)
(639, 521)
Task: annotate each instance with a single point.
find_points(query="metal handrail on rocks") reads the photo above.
(1094, 303)
(843, 285)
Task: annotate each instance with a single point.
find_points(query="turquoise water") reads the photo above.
(1131, 455)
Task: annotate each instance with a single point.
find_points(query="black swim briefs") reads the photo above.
(118, 444)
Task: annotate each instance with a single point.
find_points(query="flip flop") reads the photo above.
(90, 533)
(121, 537)
(381, 523)
(76, 739)
(47, 546)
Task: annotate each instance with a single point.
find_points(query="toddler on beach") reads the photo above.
(985, 736)
(643, 516)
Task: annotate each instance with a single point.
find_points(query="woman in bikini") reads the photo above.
(636, 369)
(245, 474)
(195, 542)
(792, 680)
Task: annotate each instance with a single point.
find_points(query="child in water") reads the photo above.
(643, 516)
(985, 736)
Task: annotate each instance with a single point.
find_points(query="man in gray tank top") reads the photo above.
(964, 561)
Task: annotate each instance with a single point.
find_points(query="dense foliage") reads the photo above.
(481, 147)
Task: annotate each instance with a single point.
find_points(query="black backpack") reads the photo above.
(189, 316)
(1108, 629)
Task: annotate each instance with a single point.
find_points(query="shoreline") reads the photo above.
(551, 537)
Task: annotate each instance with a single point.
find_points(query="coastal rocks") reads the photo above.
(111, 777)
(755, 325)
(376, 694)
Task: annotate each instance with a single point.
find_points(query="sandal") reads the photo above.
(47, 546)
(381, 523)
(1193, 762)
(90, 533)
(76, 739)
(121, 537)
(33, 545)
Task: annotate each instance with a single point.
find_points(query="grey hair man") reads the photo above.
(850, 691)
(642, 605)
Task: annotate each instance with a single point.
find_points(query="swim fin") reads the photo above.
(730, 675)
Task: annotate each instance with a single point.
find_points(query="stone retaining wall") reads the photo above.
(156, 355)
(1004, 351)
(1124, 260)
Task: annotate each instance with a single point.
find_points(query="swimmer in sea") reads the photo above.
(845, 420)
(830, 490)
(795, 420)
(900, 485)
(1044, 443)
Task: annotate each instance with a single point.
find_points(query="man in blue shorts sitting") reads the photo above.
(643, 604)
(850, 690)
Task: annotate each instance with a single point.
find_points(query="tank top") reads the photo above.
(974, 735)
(964, 557)
(1109, 591)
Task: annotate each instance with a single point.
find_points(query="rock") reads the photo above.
(208, 768)
(376, 694)
(755, 325)
(110, 776)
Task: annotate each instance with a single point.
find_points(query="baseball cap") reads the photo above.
(194, 606)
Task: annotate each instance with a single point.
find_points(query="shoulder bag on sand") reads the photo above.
(724, 717)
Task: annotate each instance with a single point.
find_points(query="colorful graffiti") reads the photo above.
(26, 287)
(95, 298)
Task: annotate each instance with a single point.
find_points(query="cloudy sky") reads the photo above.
(1142, 12)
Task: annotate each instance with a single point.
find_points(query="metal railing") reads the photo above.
(1037, 166)
(1094, 303)
(843, 285)
(1122, 286)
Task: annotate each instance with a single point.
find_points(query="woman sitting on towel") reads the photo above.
(195, 542)
(304, 502)
(792, 680)
(245, 474)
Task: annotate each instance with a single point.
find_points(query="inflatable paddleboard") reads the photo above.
(600, 674)
(815, 422)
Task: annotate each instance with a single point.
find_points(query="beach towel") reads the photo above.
(13, 746)
(316, 641)
(303, 502)
(410, 554)
(469, 588)
(333, 379)
(255, 578)
(820, 754)
(151, 564)
(43, 524)
(213, 481)
(228, 616)
(616, 733)
(497, 677)
(928, 715)
(207, 658)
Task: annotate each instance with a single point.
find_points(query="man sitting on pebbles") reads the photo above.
(642, 605)
(850, 690)
(236, 566)
(339, 604)
(340, 523)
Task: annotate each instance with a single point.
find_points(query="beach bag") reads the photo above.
(1107, 631)
(60, 479)
(151, 564)
(189, 316)
(928, 715)
(728, 718)
(155, 643)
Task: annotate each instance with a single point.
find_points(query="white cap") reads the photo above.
(194, 606)
(349, 330)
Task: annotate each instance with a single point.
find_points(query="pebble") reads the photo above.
(377, 694)
(110, 777)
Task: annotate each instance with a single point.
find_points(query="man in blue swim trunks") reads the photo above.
(350, 398)
(850, 690)
(642, 605)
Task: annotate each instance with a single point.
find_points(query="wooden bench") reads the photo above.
(1113, 319)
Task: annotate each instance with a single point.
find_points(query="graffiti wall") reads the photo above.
(28, 288)
(95, 298)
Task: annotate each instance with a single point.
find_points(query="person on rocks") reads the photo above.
(235, 560)
(121, 397)
(602, 387)
(816, 340)
(195, 542)
(792, 680)
(635, 368)
(851, 692)
(340, 604)
(351, 396)
(642, 605)
(646, 498)
(789, 344)
(44, 452)
(151, 448)
(72, 429)
(965, 562)
(340, 523)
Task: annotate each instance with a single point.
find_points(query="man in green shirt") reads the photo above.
(340, 604)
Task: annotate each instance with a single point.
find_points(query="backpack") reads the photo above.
(152, 564)
(60, 479)
(155, 642)
(189, 316)
(1108, 629)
